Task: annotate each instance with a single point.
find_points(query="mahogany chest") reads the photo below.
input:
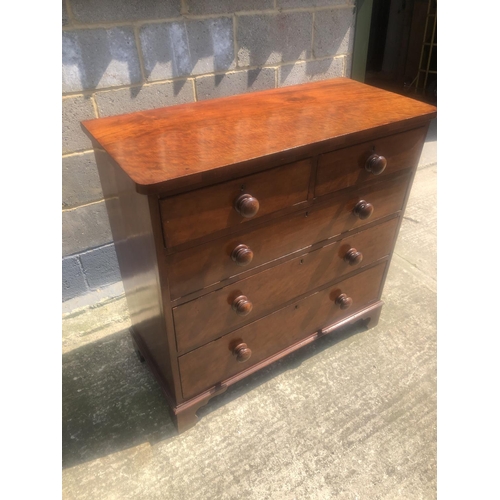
(248, 226)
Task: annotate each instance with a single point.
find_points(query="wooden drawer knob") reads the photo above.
(242, 305)
(363, 209)
(246, 205)
(343, 301)
(242, 255)
(242, 352)
(353, 257)
(376, 164)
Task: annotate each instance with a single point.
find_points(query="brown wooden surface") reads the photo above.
(215, 362)
(189, 144)
(264, 267)
(271, 289)
(246, 205)
(376, 164)
(136, 241)
(353, 257)
(291, 145)
(199, 267)
(195, 214)
(344, 301)
(346, 167)
(241, 305)
(363, 210)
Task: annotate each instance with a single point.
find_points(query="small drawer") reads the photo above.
(370, 160)
(204, 265)
(237, 351)
(192, 215)
(240, 303)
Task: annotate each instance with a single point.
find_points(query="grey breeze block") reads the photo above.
(240, 82)
(265, 39)
(99, 58)
(191, 47)
(114, 102)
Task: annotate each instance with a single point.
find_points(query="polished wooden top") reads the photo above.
(192, 144)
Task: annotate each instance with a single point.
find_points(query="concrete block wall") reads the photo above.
(120, 56)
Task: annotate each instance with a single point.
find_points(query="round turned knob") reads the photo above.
(353, 257)
(363, 209)
(376, 164)
(343, 301)
(242, 305)
(242, 352)
(246, 205)
(242, 255)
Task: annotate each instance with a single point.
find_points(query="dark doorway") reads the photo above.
(402, 48)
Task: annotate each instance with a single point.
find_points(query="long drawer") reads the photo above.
(220, 359)
(242, 302)
(212, 262)
(192, 215)
(346, 167)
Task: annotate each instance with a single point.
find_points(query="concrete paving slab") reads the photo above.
(90, 324)
(429, 152)
(93, 299)
(417, 238)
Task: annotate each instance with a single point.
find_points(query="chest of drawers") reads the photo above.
(249, 226)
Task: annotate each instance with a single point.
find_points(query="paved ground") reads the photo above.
(351, 417)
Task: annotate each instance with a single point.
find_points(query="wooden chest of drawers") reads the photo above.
(249, 226)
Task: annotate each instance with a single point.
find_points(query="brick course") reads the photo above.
(266, 39)
(200, 7)
(80, 181)
(186, 48)
(239, 82)
(311, 71)
(100, 266)
(102, 11)
(73, 280)
(99, 58)
(85, 227)
(114, 102)
(74, 110)
(333, 32)
(293, 4)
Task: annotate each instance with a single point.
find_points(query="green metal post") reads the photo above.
(361, 39)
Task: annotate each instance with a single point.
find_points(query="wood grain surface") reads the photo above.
(216, 361)
(200, 212)
(346, 167)
(137, 238)
(274, 287)
(269, 220)
(203, 265)
(187, 145)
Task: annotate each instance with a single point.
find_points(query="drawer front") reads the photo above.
(204, 265)
(228, 308)
(198, 213)
(216, 361)
(346, 167)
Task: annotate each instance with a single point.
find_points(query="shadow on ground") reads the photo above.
(111, 401)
